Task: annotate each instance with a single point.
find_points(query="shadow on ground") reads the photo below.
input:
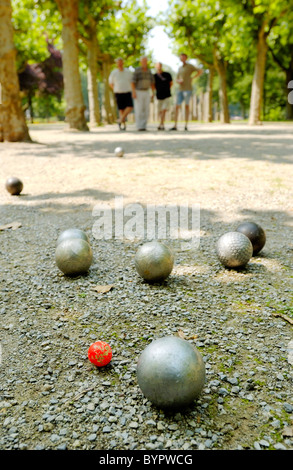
(201, 143)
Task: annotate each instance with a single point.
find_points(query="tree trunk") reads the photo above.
(220, 66)
(210, 95)
(92, 72)
(13, 127)
(30, 106)
(75, 107)
(289, 104)
(108, 108)
(257, 89)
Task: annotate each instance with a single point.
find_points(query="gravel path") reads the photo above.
(51, 396)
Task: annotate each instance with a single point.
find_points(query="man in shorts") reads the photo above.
(163, 83)
(184, 78)
(120, 82)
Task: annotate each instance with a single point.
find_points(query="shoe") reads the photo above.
(185, 128)
(124, 126)
(161, 128)
(142, 129)
(173, 128)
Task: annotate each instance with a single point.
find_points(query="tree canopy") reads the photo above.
(244, 46)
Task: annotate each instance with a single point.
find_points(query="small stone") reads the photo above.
(288, 408)
(160, 426)
(133, 424)
(280, 446)
(106, 429)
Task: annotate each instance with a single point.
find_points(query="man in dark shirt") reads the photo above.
(163, 83)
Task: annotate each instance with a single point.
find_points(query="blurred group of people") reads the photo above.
(136, 90)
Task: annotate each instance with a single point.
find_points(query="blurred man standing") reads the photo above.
(142, 81)
(120, 82)
(163, 83)
(184, 78)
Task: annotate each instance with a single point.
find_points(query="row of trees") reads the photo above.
(234, 39)
(239, 43)
(92, 32)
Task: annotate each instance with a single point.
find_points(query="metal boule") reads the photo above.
(154, 261)
(72, 233)
(234, 249)
(119, 152)
(255, 233)
(14, 185)
(73, 256)
(171, 372)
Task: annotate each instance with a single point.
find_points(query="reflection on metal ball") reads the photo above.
(255, 233)
(119, 152)
(234, 249)
(14, 185)
(154, 261)
(72, 233)
(73, 256)
(171, 372)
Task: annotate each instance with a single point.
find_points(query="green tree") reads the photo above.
(12, 121)
(254, 23)
(201, 28)
(109, 29)
(280, 44)
(72, 82)
(92, 16)
(35, 23)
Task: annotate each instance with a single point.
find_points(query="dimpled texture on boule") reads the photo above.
(72, 233)
(154, 261)
(171, 372)
(73, 256)
(234, 249)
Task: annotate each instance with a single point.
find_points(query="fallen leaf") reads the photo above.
(182, 335)
(12, 225)
(102, 289)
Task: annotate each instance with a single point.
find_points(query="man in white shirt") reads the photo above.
(120, 82)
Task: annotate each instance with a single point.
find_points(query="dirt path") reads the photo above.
(233, 173)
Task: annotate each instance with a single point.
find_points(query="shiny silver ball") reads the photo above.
(119, 152)
(14, 185)
(73, 256)
(255, 233)
(171, 372)
(154, 261)
(234, 249)
(72, 233)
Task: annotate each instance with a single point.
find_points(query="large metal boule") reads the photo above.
(234, 249)
(154, 261)
(171, 372)
(73, 256)
(14, 185)
(255, 233)
(72, 233)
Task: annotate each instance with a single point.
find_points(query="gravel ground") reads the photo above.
(51, 396)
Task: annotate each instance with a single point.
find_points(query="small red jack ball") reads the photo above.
(100, 353)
